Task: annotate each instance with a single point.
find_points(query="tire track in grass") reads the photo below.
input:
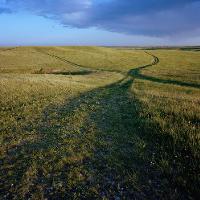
(78, 65)
(63, 60)
(133, 73)
(130, 73)
(137, 74)
(114, 161)
(137, 71)
(113, 147)
(108, 108)
(98, 103)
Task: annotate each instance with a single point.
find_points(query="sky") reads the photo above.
(100, 22)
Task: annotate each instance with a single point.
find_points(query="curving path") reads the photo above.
(115, 156)
(136, 72)
(75, 64)
(88, 70)
(132, 73)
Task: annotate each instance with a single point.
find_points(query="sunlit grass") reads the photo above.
(175, 111)
(76, 125)
(101, 57)
(176, 65)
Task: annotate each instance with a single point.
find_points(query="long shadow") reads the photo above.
(21, 157)
(73, 73)
(113, 131)
(190, 49)
(136, 73)
(67, 73)
(99, 142)
(95, 145)
(173, 82)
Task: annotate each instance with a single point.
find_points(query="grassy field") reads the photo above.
(99, 123)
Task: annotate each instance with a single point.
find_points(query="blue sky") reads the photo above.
(99, 22)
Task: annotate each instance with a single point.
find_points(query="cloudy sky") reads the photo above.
(99, 22)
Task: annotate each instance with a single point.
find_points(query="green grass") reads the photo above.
(43, 60)
(100, 57)
(176, 65)
(27, 60)
(99, 123)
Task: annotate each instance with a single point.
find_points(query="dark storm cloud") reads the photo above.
(146, 17)
(117, 8)
(150, 17)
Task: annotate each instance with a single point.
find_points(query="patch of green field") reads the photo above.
(100, 57)
(99, 123)
(174, 65)
(175, 112)
(27, 60)
(68, 59)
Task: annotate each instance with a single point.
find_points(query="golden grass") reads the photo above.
(176, 65)
(90, 122)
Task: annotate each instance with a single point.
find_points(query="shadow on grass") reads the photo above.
(63, 72)
(190, 49)
(72, 73)
(96, 145)
(136, 73)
